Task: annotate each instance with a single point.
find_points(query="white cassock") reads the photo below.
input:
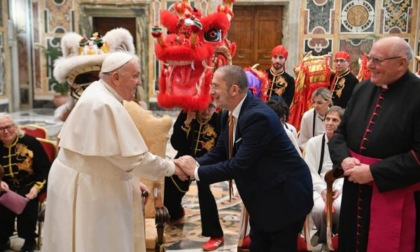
(94, 200)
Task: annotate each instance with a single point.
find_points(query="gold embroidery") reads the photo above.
(209, 134)
(278, 83)
(339, 87)
(24, 158)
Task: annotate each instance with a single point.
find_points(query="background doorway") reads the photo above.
(256, 30)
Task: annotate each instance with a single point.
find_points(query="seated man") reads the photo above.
(317, 156)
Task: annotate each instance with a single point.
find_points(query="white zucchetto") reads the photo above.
(115, 60)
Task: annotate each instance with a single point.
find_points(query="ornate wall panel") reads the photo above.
(2, 67)
(320, 16)
(397, 16)
(318, 46)
(354, 25)
(4, 59)
(36, 26)
(355, 47)
(357, 16)
(325, 27)
(58, 16)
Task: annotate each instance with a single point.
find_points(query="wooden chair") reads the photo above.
(35, 130)
(304, 241)
(51, 150)
(155, 133)
(330, 177)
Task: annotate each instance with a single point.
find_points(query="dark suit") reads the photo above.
(273, 180)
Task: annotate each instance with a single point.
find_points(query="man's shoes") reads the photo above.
(178, 218)
(213, 244)
(28, 247)
(315, 239)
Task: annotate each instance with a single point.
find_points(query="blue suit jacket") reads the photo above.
(273, 180)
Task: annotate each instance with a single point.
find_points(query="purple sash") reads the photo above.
(392, 216)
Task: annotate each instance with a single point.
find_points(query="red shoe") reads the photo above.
(246, 243)
(213, 244)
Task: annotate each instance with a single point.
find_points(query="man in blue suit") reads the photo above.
(273, 180)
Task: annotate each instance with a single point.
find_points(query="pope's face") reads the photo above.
(129, 80)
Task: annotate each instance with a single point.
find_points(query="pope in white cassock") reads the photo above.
(94, 197)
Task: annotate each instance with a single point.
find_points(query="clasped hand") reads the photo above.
(355, 171)
(185, 167)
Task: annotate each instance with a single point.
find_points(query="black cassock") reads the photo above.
(382, 123)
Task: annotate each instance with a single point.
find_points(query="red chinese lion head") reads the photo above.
(194, 46)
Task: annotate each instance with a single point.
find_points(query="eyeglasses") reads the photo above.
(7, 127)
(377, 60)
(340, 60)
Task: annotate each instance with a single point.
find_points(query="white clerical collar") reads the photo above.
(384, 86)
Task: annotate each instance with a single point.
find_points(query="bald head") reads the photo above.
(389, 60)
(396, 46)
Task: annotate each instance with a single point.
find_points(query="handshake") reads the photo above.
(185, 167)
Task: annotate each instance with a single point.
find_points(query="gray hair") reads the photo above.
(337, 109)
(19, 131)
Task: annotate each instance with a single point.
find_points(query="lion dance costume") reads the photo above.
(312, 73)
(194, 47)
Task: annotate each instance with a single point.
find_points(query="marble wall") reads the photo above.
(320, 26)
(353, 26)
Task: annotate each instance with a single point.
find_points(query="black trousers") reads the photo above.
(284, 240)
(26, 223)
(175, 189)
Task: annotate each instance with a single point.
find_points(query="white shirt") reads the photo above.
(235, 114)
(306, 126)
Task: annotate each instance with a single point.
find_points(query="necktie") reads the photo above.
(231, 127)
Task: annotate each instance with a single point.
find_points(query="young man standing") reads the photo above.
(281, 83)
